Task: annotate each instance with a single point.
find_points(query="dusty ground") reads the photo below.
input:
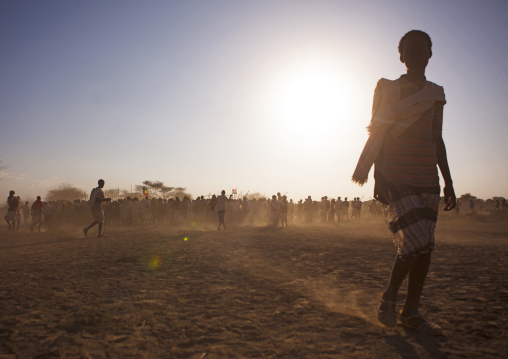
(254, 292)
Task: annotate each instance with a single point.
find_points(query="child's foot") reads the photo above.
(386, 313)
(101, 236)
(419, 323)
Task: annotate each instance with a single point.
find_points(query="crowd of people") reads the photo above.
(277, 210)
(17, 212)
(229, 210)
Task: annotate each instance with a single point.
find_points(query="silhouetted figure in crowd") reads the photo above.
(345, 208)
(274, 211)
(26, 211)
(18, 213)
(221, 209)
(283, 211)
(307, 208)
(213, 202)
(12, 210)
(331, 211)
(338, 208)
(37, 214)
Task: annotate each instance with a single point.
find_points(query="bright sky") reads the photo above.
(263, 95)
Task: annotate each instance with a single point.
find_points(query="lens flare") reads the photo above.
(154, 262)
(194, 224)
(185, 239)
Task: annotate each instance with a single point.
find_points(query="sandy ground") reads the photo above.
(252, 292)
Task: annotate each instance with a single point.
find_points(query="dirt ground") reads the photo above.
(250, 292)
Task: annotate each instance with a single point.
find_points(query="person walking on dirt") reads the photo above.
(12, 210)
(37, 215)
(407, 146)
(97, 197)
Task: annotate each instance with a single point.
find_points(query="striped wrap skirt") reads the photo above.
(412, 218)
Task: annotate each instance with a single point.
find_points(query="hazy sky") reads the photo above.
(264, 96)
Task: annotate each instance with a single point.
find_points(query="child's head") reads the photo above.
(415, 49)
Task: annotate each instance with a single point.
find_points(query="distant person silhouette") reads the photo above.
(26, 212)
(37, 214)
(331, 211)
(283, 210)
(338, 208)
(274, 211)
(406, 145)
(12, 210)
(221, 209)
(345, 208)
(97, 197)
(18, 213)
(307, 208)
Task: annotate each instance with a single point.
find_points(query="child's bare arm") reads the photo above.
(442, 159)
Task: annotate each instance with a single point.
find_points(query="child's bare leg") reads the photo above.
(399, 271)
(417, 275)
(85, 230)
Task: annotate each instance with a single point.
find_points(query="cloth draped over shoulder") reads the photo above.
(394, 116)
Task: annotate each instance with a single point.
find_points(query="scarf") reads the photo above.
(394, 116)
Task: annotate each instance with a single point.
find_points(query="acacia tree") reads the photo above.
(124, 193)
(154, 188)
(467, 197)
(166, 191)
(158, 189)
(113, 193)
(65, 191)
(180, 192)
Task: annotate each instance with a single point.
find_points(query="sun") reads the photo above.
(313, 104)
